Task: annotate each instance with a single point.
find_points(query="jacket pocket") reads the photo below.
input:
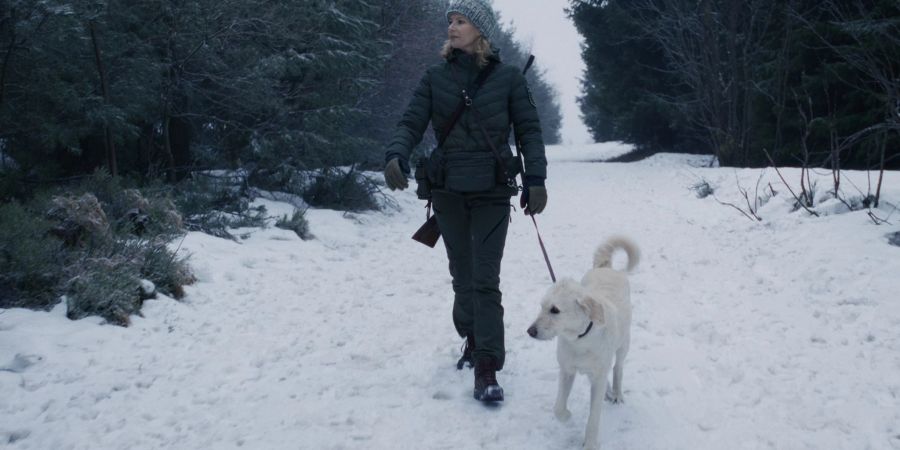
(470, 172)
(434, 168)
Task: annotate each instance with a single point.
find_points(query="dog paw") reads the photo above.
(562, 414)
(614, 398)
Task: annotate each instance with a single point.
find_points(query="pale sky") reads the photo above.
(543, 28)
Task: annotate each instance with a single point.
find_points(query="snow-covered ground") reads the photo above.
(747, 335)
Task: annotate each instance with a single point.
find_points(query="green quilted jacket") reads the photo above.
(503, 100)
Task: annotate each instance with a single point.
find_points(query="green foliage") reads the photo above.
(279, 90)
(296, 223)
(132, 212)
(105, 282)
(214, 204)
(217, 83)
(344, 190)
(173, 88)
(813, 83)
(105, 287)
(627, 92)
(31, 261)
(91, 242)
(168, 271)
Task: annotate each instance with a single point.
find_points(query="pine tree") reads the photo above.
(627, 93)
(806, 82)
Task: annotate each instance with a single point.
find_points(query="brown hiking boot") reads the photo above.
(486, 388)
(468, 348)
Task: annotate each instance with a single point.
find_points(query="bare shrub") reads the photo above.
(106, 287)
(93, 247)
(702, 189)
(79, 220)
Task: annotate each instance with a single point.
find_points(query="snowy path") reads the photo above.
(777, 335)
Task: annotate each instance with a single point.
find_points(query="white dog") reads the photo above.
(592, 320)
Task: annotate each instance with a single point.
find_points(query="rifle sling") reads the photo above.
(510, 180)
(487, 136)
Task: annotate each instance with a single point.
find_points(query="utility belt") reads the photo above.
(465, 172)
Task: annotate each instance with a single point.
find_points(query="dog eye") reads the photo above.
(554, 310)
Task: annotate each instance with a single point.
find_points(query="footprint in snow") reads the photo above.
(21, 362)
(11, 437)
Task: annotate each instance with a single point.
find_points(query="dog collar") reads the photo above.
(590, 325)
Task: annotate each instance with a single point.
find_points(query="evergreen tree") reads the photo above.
(545, 96)
(158, 89)
(803, 81)
(49, 99)
(628, 95)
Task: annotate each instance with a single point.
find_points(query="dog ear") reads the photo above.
(593, 309)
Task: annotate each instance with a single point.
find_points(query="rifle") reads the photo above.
(518, 141)
(429, 232)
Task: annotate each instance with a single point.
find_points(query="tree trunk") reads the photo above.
(180, 145)
(734, 89)
(881, 170)
(108, 142)
(167, 149)
(9, 51)
(835, 161)
(145, 148)
(710, 76)
(781, 99)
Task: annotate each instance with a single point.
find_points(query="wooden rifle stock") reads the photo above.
(428, 233)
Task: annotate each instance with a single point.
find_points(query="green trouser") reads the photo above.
(474, 228)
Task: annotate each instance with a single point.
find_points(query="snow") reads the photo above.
(587, 152)
(773, 334)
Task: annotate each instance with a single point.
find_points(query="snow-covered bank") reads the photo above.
(587, 152)
(773, 334)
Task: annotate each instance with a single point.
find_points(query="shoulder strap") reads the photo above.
(479, 81)
(487, 137)
(510, 178)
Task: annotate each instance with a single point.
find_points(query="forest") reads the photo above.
(124, 124)
(755, 82)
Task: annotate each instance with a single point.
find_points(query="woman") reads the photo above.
(471, 189)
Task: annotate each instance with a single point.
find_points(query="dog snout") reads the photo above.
(532, 331)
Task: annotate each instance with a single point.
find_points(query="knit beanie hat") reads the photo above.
(479, 12)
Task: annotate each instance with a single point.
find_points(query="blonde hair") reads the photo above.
(482, 51)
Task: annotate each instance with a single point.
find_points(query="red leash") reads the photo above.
(543, 248)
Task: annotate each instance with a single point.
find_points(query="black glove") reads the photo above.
(394, 176)
(534, 195)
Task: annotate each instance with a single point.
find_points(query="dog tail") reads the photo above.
(603, 254)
